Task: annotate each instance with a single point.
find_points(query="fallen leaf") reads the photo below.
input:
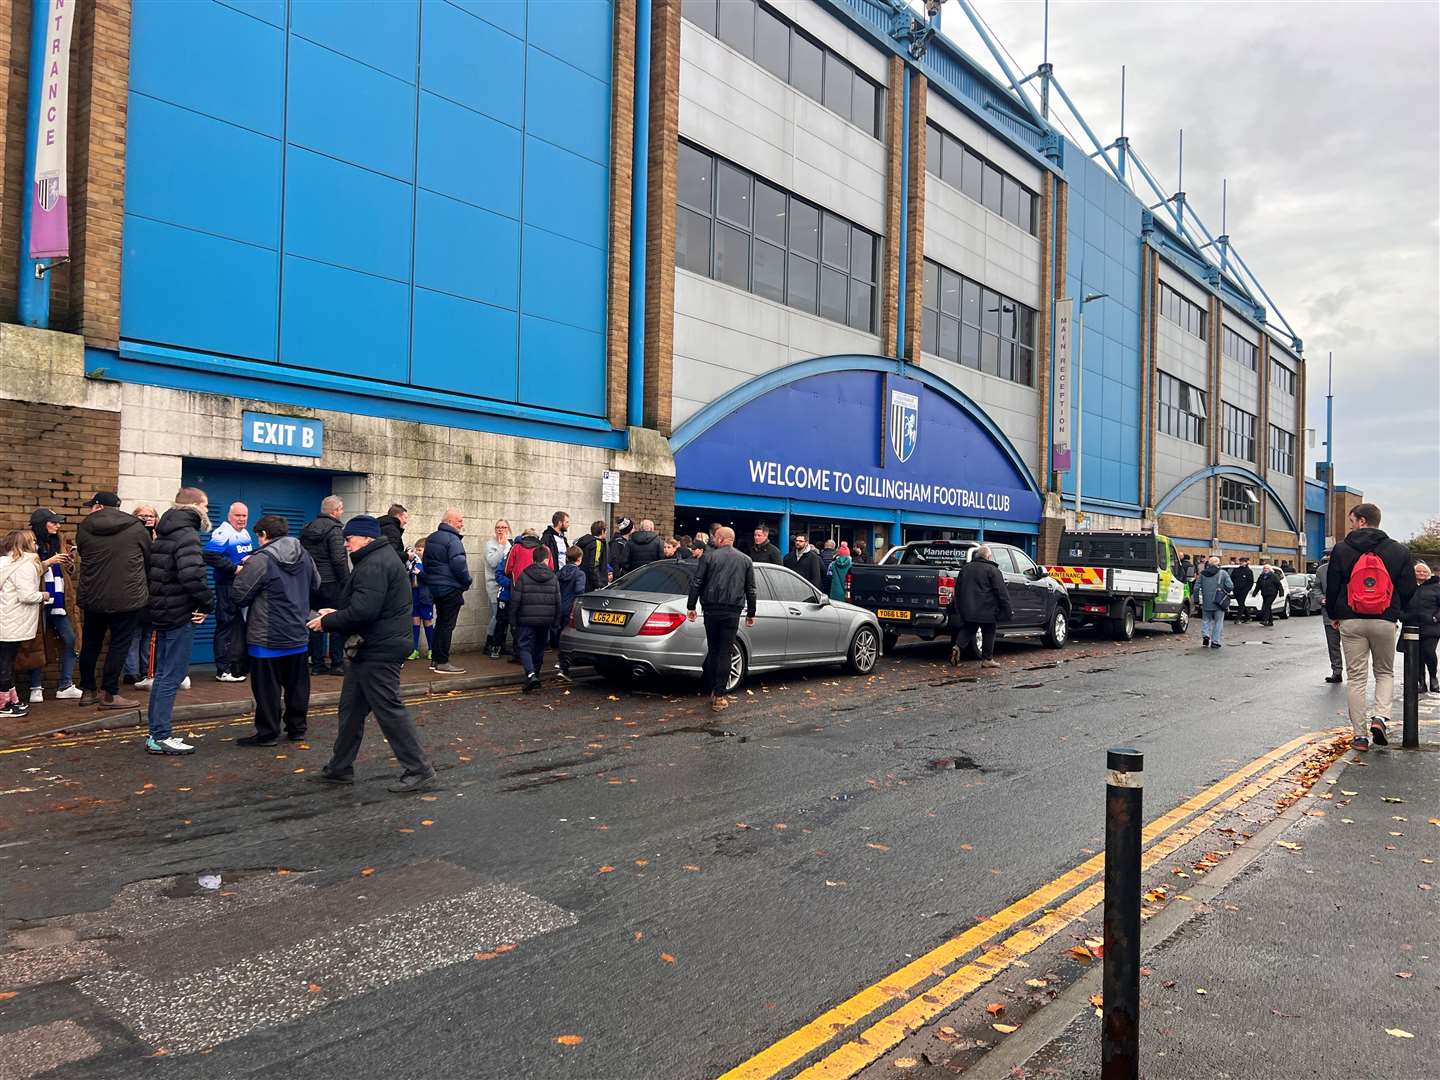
(1392, 799)
(692, 869)
(1399, 1033)
(1344, 792)
(569, 1040)
(642, 862)
(282, 873)
(877, 847)
(1093, 943)
(995, 1008)
(314, 988)
(1081, 952)
(639, 934)
(367, 871)
(407, 830)
(8, 994)
(1147, 972)
(905, 1063)
(1168, 984)
(1005, 1029)
(1038, 984)
(1287, 845)
(967, 847)
(428, 798)
(665, 956)
(1201, 990)
(1096, 1000)
(606, 870)
(1431, 821)
(1404, 974)
(427, 821)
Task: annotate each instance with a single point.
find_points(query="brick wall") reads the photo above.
(890, 270)
(660, 231)
(55, 456)
(15, 36)
(622, 173)
(1230, 533)
(1190, 534)
(647, 495)
(915, 241)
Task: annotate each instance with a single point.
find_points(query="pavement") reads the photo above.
(617, 884)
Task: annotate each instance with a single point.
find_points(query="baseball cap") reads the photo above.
(104, 498)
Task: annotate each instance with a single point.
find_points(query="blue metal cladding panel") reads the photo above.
(1104, 245)
(392, 159)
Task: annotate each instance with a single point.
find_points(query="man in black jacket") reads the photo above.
(643, 548)
(762, 550)
(323, 541)
(594, 557)
(114, 552)
(805, 561)
(724, 581)
(556, 538)
(392, 528)
(534, 611)
(983, 600)
(1244, 579)
(1364, 601)
(180, 598)
(375, 608)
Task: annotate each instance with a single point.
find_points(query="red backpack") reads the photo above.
(1370, 590)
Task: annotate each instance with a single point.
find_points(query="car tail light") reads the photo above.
(947, 590)
(847, 585)
(662, 622)
(574, 616)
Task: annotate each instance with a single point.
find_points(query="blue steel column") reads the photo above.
(639, 216)
(785, 528)
(904, 137)
(34, 293)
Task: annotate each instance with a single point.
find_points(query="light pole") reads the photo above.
(1080, 401)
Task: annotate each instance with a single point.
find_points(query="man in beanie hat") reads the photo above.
(620, 547)
(374, 617)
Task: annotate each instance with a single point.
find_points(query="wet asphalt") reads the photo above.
(682, 889)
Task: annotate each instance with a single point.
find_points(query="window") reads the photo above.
(968, 324)
(954, 163)
(1282, 451)
(1237, 432)
(1282, 378)
(769, 39)
(790, 588)
(1238, 502)
(1180, 409)
(1184, 313)
(738, 229)
(1238, 349)
(665, 577)
(1023, 563)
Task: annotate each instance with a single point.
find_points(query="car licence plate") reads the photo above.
(610, 618)
(893, 613)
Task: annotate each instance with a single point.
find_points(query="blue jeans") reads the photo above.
(59, 625)
(1213, 623)
(172, 663)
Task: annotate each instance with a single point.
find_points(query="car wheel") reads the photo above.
(864, 651)
(973, 643)
(888, 641)
(614, 671)
(1123, 628)
(1285, 611)
(739, 665)
(1182, 621)
(1058, 632)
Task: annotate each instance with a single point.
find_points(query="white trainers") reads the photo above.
(171, 745)
(145, 683)
(225, 676)
(185, 683)
(70, 693)
(37, 695)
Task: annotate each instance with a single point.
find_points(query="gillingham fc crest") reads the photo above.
(904, 423)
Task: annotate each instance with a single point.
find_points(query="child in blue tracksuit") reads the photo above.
(422, 604)
(502, 612)
(572, 584)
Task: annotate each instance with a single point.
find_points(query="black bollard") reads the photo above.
(1410, 645)
(1120, 1034)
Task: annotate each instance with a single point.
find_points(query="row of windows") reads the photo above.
(1184, 313)
(1238, 502)
(790, 54)
(1238, 349)
(739, 229)
(1237, 432)
(968, 324)
(969, 173)
(1282, 451)
(1282, 378)
(1180, 409)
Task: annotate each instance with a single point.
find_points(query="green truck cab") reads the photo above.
(1118, 579)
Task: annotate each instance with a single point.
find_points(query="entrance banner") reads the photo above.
(1064, 387)
(50, 212)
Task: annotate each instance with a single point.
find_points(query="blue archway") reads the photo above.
(1239, 471)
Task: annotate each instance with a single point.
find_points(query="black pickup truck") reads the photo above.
(910, 590)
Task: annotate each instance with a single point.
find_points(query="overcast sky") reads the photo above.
(1325, 118)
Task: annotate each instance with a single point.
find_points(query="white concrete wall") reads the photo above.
(725, 336)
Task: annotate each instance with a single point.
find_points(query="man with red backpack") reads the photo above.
(1369, 584)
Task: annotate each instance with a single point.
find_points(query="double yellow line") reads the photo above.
(883, 1035)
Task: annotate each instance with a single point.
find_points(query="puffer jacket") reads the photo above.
(644, 547)
(375, 605)
(114, 555)
(1424, 608)
(324, 541)
(178, 583)
(1215, 588)
(276, 583)
(392, 532)
(535, 597)
(522, 554)
(22, 597)
(447, 571)
(594, 557)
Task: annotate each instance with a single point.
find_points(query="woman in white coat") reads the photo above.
(497, 550)
(22, 599)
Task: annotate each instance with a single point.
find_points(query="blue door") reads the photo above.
(293, 494)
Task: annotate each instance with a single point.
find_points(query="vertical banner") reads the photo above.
(1064, 388)
(49, 229)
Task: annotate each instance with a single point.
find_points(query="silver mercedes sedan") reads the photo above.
(636, 626)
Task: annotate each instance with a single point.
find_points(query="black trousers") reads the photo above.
(229, 628)
(373, 686)
(447, 610)
(965, 633)
(721, 626)
(1266, 615)
(281, 687)
(121, 627)
(327, 649)
(8, 651)
(1428, 648)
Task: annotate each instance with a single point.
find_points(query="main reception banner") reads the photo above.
(837, 438)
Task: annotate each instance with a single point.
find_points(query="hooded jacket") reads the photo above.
(981, 593)
(839, 569)
(807, 564)
(594, 556)
(393, 533)
(21, 596)
(324, 541)
(114, 553)
(1215, 587)
(276, 584)
(375, 605)
(179, 586)
(535, 597)
(522, 554)
(573, 583)
(447, 571)
(644, 548)
(1424, 608)
(1397, 559)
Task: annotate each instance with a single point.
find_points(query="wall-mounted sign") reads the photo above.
(282, 434)
(610, 486)
(1064, 388)
(49, 211)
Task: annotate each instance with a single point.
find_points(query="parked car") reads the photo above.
(637, 627)
(910, 590)
(1253, 602)
(1305, 597)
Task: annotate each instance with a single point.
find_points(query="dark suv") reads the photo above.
(910, 590)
